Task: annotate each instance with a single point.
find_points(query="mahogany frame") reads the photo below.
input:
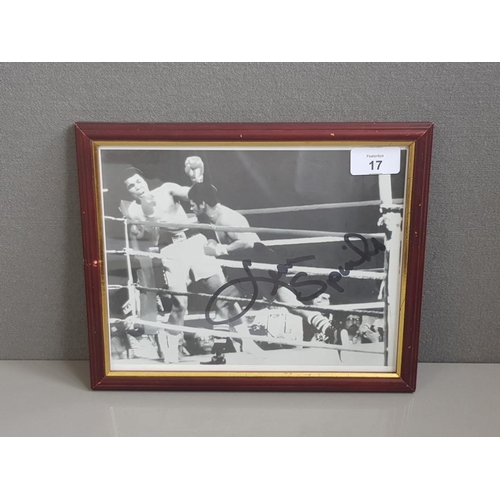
(419, 135)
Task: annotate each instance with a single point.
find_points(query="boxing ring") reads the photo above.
(385, 307)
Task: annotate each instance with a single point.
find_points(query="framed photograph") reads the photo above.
(272, 257)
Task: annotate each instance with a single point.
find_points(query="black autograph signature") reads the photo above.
(297, 281)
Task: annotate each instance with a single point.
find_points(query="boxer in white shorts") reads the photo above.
(181, 251)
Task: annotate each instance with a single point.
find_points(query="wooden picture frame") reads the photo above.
(321, 181)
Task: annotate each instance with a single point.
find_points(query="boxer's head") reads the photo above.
(203, 196)
(134, 182)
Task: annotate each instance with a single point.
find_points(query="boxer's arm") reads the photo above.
(136, 215)
(243, 241)
(125, 207)
(239, 241)
(219, 249)
(177, 191)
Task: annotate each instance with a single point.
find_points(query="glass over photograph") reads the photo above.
(252, 258)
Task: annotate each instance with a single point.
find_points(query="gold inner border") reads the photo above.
(410, 163)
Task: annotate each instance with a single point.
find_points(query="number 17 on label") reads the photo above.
(375, 161)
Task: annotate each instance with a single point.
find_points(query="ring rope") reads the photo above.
(324, 206)
(262, 266)
(290, 241)
(311, 271)
(218, 333)
(358, 308)
(174, 226)
(303, 241)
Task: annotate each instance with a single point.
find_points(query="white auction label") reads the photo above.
(375, 161)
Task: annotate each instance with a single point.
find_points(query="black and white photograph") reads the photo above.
(260, 257)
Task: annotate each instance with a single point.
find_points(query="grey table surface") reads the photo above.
(52, 398)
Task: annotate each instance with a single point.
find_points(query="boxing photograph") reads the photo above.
(272, 258)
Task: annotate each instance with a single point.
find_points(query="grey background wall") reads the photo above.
(42, 305)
